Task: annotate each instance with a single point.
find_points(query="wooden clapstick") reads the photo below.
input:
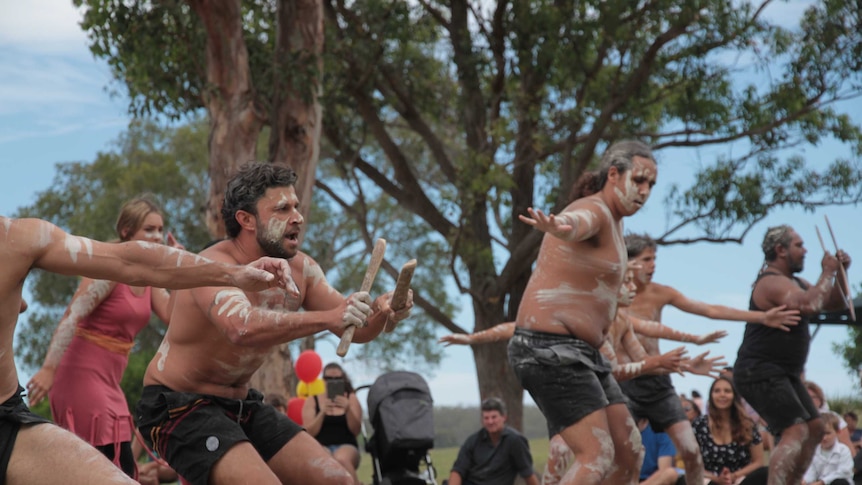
(402, 289)
(370, 273)
(845, 290)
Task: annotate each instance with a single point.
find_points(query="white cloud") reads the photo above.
(41, 25)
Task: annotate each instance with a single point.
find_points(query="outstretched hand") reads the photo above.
(550, 224)
(455, 339)
(701, 365)
(781, 318)
(672, 361)
(710, 337)
(266, 273)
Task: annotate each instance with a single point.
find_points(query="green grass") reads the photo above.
(443, 458)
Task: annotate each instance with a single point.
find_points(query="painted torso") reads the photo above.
(196, 356)
(573, 289)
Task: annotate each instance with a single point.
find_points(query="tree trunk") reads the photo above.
(295, 135)
(276, 374)
(235, 120)
(296, 113)
(496, 378)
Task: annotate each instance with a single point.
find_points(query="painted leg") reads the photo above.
(686, 445)
(590, 441)
(348, 457)
(628, 448)
(560, 458)
(43, 452)
(303, 460)
(792, 454)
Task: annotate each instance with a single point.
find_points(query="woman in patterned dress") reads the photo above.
(728, 439)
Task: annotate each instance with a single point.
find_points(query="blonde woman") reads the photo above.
(90, 348)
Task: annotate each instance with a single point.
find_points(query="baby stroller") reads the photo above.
(401, 412)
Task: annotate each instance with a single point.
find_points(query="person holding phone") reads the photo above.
(334, 418)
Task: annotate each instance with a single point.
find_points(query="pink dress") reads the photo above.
(86, 397)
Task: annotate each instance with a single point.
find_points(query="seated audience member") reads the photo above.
(659, 452)
(765, 435)
(728, 439)
(494, 455)
(832, 463)
(334, 418)
(698, 401)
(852, 421)
(692, 412)
(819, 398)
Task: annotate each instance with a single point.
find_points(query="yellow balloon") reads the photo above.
(316, 387)
(302, 389)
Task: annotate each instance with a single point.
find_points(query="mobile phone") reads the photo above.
(335, 387)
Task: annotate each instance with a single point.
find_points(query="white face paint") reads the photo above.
(631, 194)
(155, 235)
(275, 230)
(7, 223)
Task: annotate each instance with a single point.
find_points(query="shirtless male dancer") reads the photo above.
(653, 396)
(768, 367)
(624, 352)
(197, 409)
(567, 308)
(33, 452)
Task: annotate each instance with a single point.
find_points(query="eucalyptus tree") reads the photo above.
(457, 115)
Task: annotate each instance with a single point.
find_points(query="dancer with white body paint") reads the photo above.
(628, 360)
(197, 410)
(32, 451)
(768, 367)
(568, 305)
(653, 396)
(90, 348)
(627, 357)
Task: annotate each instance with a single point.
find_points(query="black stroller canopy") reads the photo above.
(391, 383)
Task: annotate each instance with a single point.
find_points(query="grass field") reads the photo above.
(443, 459)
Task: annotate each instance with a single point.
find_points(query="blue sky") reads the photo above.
(55, 106)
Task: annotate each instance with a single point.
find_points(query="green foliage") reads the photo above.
(445, 120)
(169, 163)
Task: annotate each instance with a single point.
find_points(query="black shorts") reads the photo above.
(779, 397)
(13, 413)
(567, 377)
(654, 398)
(193, 431)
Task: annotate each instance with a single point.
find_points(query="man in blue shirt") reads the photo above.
(495, 454)
(659, 454)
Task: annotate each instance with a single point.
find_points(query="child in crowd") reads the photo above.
(832, 463)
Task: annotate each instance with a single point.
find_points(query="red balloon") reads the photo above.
(308, 366)
(294, 409)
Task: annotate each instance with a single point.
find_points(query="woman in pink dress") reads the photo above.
(90, 348)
